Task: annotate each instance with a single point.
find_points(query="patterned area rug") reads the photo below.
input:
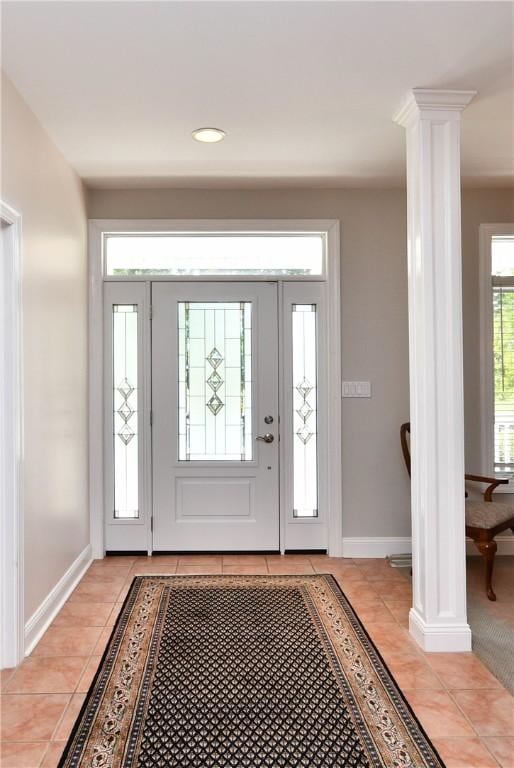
(243, 671)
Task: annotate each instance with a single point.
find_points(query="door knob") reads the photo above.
(267, 438)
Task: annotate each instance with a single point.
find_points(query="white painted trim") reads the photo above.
(333, 351)
(147, 409)
(440, 638)
(41, 619)
(487, 231)
(332, 267)
(375, 546)
(381, 546)
(431, 102)
(11, 442)
(96, 392)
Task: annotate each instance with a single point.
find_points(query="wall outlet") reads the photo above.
(356, 389)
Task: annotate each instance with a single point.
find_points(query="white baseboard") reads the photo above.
(52, 604)
(371, 546)
(381, 546)
(440, 638)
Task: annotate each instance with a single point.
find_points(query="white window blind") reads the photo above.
(502, 261)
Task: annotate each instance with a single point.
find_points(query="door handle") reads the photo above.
(267, 438)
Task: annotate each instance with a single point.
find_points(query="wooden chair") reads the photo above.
(484, 519)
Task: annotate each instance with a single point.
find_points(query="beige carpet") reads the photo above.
(492, 623)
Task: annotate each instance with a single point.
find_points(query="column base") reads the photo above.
(439, 638)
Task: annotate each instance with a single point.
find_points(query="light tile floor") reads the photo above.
(464, 709)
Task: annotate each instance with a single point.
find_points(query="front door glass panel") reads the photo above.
(214, 381)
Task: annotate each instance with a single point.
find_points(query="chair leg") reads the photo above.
(488, 550)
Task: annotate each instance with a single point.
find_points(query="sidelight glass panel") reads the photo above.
(125, 410)
(305, 412)
(215, 381)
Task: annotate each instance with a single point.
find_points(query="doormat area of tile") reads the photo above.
(243, 672)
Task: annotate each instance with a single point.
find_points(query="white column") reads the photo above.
(431, 118)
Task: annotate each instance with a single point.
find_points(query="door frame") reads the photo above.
(12, 619)
(329, 228)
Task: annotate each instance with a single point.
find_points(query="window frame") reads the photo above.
(487, 232)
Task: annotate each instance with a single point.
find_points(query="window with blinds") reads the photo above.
(502, 261)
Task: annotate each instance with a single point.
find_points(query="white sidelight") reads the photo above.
(431, 119)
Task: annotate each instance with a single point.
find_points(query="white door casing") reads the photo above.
(12, 620)
(324, 291)
(202, 504)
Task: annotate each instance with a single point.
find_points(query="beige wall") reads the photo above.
(374, 318)
(38, 183)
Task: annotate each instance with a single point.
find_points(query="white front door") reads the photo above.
(215, 435)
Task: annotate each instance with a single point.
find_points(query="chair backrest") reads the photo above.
(404, 440)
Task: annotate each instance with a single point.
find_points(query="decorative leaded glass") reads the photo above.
(215, 381)
(125, 412)
(305, 412)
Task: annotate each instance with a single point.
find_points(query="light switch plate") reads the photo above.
(356, 389)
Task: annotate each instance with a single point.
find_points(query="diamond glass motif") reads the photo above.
(126, 434)
(304, 411)
(215, 405)
(304, 434)
(215, 381)
(125, 411)
(125, 389)
(304, 388)
(214, 358)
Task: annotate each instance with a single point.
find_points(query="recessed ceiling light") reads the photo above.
(208, 135)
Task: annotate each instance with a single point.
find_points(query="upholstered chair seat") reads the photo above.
(487, 514)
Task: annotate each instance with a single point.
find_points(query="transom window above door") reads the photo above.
(212, 253)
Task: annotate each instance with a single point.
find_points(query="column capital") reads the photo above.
(427, 100)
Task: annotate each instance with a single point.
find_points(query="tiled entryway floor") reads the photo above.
(464, 709)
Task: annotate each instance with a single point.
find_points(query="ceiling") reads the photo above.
(305, 90)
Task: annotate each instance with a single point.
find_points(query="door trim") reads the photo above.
(330, 227)
(12, 620)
